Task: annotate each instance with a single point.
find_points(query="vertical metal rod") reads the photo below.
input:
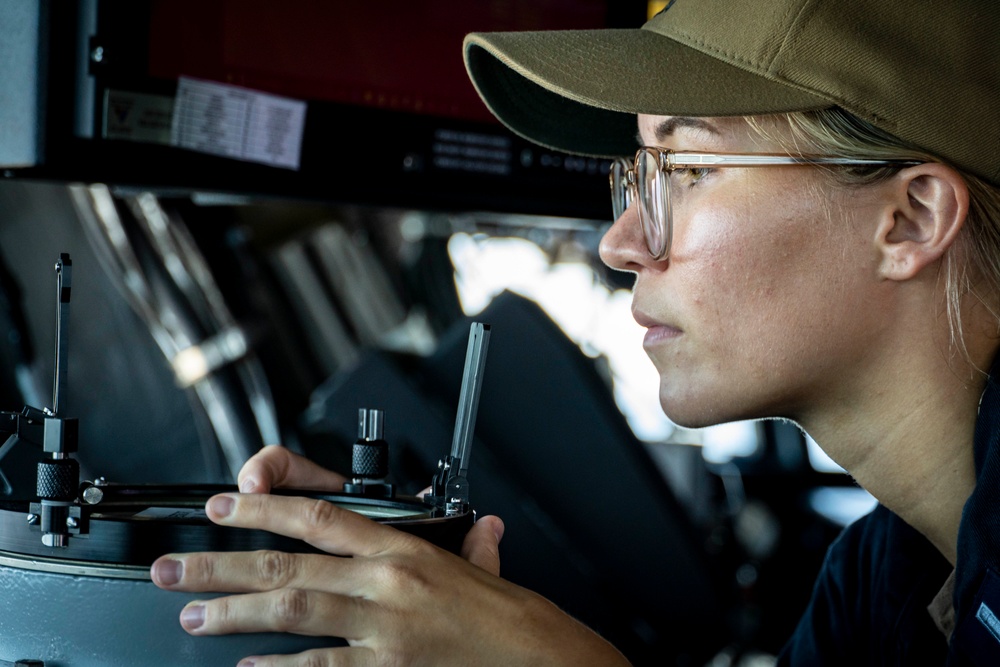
(468, 399)
(64, 281)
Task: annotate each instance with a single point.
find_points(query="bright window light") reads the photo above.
(819, 459)
(724, 442)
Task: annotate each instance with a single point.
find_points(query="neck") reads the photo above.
(912, 447)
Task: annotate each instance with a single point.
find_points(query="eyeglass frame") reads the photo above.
(669, 161)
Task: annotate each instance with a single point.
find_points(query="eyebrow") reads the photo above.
(668, 126)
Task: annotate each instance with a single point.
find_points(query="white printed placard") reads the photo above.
(132, 116)
(238, 123)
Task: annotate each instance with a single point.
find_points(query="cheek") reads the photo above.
(750, 249)
(764, 276)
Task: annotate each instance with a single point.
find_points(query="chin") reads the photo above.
(701, 409)
(697, 422)
(698, 415)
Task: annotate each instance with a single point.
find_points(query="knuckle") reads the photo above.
(267, 454)
(316, 659)
(319, 514)
(219, 612)
(199, 570)
(399, 573)
(276, 461)
(275, 568)
(269, 465)
(291, 607)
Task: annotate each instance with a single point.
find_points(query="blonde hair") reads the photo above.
(972, 265)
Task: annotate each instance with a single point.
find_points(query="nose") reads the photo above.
(623, 246)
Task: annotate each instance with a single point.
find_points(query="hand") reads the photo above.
(398, 601)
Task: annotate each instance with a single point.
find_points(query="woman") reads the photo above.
(850, 285)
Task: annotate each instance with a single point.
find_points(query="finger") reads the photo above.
(293, 610)
(274, 466)
(353, 656)
(482, 544)
(248, 572)
(317, 522)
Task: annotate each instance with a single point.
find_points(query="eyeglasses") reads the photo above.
(659, 179)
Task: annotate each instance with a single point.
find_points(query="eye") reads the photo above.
(691, 175)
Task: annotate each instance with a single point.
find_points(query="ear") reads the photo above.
(929, 204)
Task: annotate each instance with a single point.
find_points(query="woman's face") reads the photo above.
(769, 300)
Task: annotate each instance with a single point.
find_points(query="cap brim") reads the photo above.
(579, 90)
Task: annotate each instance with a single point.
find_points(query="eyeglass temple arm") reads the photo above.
(672, 160)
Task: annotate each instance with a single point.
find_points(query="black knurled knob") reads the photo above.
(370, 459)
(58, 479)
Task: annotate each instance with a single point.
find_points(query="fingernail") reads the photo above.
(221, 506)
(498, 528)
(167, 571)
(248, 485)
(193, 616)
(246, 662)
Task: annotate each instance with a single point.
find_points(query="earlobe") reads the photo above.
(930, 204)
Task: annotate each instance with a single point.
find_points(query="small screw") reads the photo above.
(92, 495)
(71, 522)
(32, 519)
(97, 55)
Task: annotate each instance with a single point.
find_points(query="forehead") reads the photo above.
(674, 131)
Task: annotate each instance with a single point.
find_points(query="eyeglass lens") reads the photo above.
(652, 188)
(621, 193)
(654, 202)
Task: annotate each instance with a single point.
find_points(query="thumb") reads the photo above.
(482, 544)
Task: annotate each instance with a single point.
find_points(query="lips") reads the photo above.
(656, 331)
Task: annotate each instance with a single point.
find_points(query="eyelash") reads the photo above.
(691, 176)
